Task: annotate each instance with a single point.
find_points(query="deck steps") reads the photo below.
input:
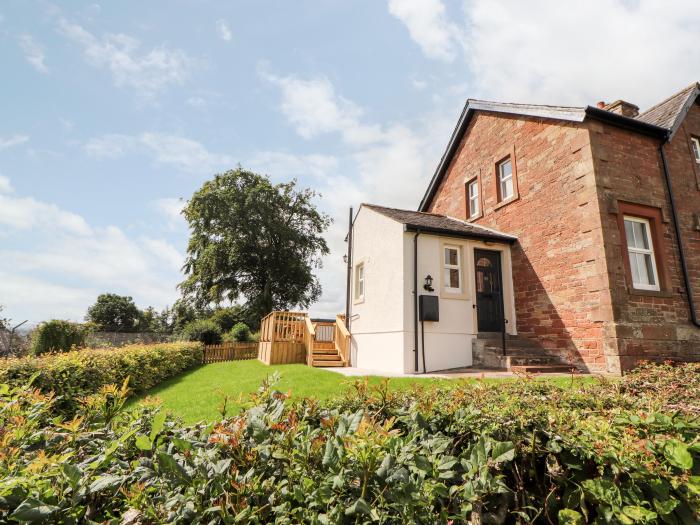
(325, 355)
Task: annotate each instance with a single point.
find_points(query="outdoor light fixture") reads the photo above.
(428, 286)
(345, 258)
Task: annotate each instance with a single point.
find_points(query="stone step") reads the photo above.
(512, 350)
(542, 369)
(527, 360)
(517, 343)
(324, 364)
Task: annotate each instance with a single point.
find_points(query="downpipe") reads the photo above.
(415, 300)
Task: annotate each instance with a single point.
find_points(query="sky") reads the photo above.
(112, 114)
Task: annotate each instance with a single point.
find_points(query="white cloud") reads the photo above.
(171, 209)
(429, 26)
(223, 29)
(147, 72)
(33, 52)
(53, 264)
(185, 154)
(281, 165)
(5, 185)
(13, 140)
(196, 102)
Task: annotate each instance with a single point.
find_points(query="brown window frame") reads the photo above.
(514, 177)
(655, 219)
(474, 178)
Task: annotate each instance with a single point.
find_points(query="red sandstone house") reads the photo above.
(566, 235)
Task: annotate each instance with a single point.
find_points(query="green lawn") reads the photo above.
(197, 395)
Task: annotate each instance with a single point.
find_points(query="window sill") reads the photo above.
(651, 293)
(358, 301)
(506, 202)
(475, 217)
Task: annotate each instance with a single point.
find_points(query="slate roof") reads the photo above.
(670, 112)
(440, 224)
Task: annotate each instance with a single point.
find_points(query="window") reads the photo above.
(360, 282)
(473, 195)
(452, 272)
(505, 179)
(695, 142)
(641, 253)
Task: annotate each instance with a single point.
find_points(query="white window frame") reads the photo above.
(643, 251)
(446, 266)
(502, 180)
(360, 281)
(695, 142)
(473, 199)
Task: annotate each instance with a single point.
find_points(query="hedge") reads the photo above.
(521, 451)
(73, 375)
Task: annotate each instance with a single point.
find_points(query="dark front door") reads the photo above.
(489, 294)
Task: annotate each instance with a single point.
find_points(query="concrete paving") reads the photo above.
(456, 373)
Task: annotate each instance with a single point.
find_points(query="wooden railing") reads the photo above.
(309, 338)
(283, 326)
(341, 338)
(231, 351)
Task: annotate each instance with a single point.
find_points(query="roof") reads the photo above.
(660, 121)
(670, 112)
(440, 224)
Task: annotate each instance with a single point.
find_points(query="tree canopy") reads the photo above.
(114, 313)
(253, 239)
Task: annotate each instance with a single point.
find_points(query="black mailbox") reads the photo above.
(428, 308)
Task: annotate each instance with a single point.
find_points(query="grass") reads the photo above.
(198, 395)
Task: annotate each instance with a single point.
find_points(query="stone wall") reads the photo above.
(559, 268)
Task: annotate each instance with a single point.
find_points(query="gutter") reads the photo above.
(452, 233)
(679, 237)
(348, 280)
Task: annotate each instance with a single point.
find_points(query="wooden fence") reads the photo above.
(232, 351)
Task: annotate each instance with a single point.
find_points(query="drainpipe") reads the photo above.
(349, 273)
(679, 238)
(415, 299)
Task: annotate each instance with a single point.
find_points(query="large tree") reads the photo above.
(255, 240)
(114, 313)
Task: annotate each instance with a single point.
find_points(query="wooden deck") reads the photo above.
(293, 337)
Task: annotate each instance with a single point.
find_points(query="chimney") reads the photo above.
(601, 104)
(626, 109)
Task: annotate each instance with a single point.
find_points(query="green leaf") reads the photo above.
(169, 465)
(158, 422)
(359, 507)
(143, 443)
(603, 491)
(677, 454)
(693, 484)
(639, 514)
(503, 451)
(33, 511)
(570, 517)
(72, 472)
(666, 506)
(105, 483)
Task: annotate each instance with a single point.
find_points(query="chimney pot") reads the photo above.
(624, 108)
(601, 104)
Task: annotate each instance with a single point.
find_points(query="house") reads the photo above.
(548, 236)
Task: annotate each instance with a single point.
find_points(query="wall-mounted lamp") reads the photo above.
(428, 285)
(345, 258)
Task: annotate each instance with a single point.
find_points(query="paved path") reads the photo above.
(444, 374)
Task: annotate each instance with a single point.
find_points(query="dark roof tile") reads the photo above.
(435, 223)
(665, 114)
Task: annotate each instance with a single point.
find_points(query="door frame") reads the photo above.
(502, 321)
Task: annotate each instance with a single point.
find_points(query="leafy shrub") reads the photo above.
(58, 336)
(202, 330)
(240, 332)
(226, 318)
(519, 451)
(76, 374)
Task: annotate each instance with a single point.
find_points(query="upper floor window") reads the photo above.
(473, 194)
(505, 179)
(452, 269)
(696, 148)
(641, 254)
(360, 282)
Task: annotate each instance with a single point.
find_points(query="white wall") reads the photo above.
(382, 323)
(377, 321)
(448, 342)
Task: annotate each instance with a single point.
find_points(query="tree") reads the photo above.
(203, 330)
(114, 313)
(4, 323)
(252, 239)
(58, 336)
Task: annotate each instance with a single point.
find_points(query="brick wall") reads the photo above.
(649, 325)
(559, 269)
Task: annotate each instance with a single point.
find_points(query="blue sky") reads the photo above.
(113, 112)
